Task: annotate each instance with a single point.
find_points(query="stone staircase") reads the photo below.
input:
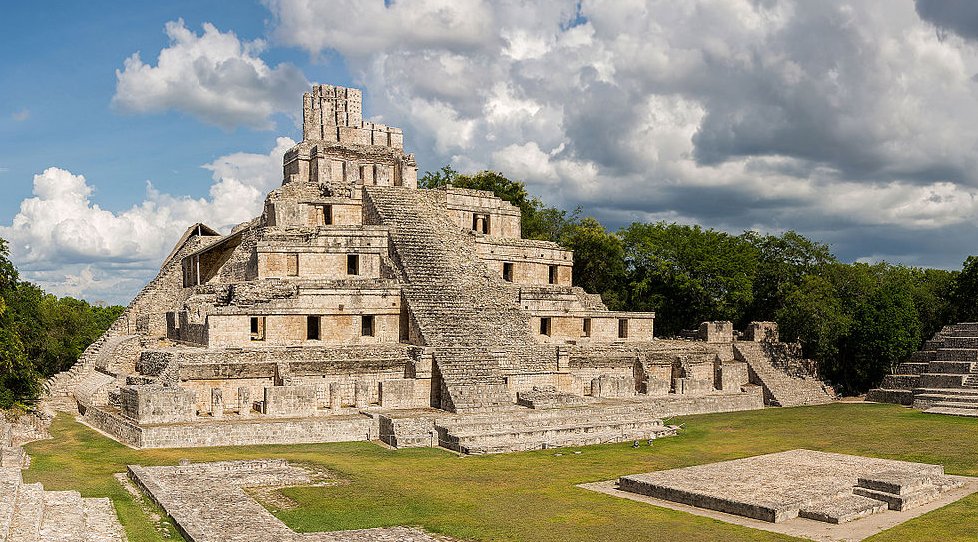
(28, 513)
(941, 378)
(519, 429)
(780, 387)
(58, 390)
(466, 313)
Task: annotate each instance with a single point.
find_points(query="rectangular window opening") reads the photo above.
(622, 328)
(312, 328)
(258, 328)
(352, 264)
(508, 271)
(292, 260)
(586, 329)
(552, 274)
(545, 326)
(323, 215)
(367, 325)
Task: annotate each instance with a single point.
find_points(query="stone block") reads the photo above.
(150, 404)
(244, 402)
(761, 332)
(397, 393)
(217, 403)
(716, 332)
(290, 401)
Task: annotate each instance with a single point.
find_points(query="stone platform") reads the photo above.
(802, 493)
(828, 487)
(207, 502)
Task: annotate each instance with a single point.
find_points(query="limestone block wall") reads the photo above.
(157, 404)
(290, 401)
(291, 329)
(483, 211)
(527, 262)
(716, 332)
(229, 390)
(314, 211)
(731, 375)
(603, 327)
(404, 393)
(284, 263)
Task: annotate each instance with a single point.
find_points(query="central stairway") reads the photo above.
(468, 315)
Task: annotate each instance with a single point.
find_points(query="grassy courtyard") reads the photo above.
(531, 496)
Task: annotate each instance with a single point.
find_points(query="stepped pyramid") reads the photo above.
(941, 378)
(358, 306)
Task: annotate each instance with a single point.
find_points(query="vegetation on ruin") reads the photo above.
(857, 320)
(40, 334)
(531, 496)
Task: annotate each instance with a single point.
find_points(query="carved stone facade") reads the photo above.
(356, 295)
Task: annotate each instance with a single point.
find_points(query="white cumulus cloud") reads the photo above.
(853, 122)
(213, 76)
(67, 243)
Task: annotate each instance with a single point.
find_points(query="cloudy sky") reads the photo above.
(852, 122)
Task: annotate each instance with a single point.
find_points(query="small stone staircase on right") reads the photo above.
(941, 378)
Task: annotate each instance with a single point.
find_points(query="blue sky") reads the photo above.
(58, 65)
(855, 123)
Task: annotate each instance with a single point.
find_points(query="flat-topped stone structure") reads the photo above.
(207, 502)
(356, 295)
(821, 486)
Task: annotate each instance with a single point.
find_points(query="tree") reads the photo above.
(964, 292)
(538, 220)
(687, 274)
(782, 262)
(599, 260)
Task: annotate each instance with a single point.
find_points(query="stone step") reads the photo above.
(101, 522)
(921, 494)
(955, 354)
(842, 509)
(26, 525)
(941, 380)
(950, 411)
(951, 367)
(10, 480)
(63, 518)
(892, 396)
(960, 342)
(912, 368)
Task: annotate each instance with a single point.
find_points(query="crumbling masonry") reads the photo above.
(358, 307)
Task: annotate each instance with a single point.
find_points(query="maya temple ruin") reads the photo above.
(360, 307)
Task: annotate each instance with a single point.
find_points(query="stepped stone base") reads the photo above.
(29, 513)
(827, 487)
(200, 499)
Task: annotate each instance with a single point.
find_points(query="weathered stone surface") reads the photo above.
(777, 487)
(356, 292)
(207, 502)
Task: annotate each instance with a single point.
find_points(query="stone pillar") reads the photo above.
(361, 394)
(322, 396)
(217, 403)
(244, 401)
(335, 396)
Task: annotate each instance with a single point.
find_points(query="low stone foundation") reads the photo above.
(234, 431)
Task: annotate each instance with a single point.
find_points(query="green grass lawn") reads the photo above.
(531, 496)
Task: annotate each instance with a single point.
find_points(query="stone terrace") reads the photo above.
(208, 503)
(828, 487)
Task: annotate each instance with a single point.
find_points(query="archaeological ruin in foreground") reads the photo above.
(360, 307)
